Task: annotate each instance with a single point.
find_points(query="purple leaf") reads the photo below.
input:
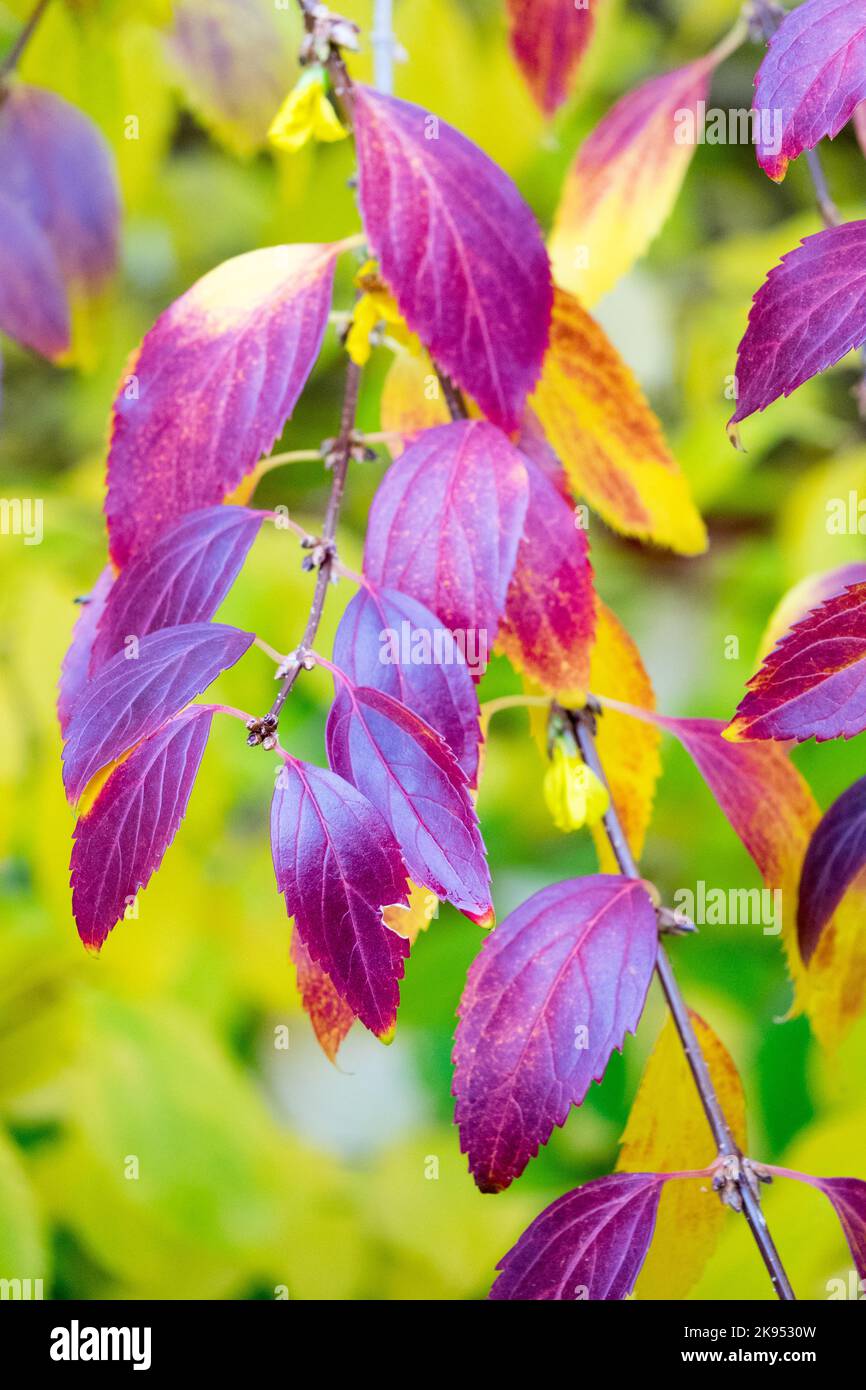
(393, 643)
(182, 577)
(212, 386)
(554, 989)
(589, 1244)
(58, 167)
(76, 662)
(33, 306)
(446, 523)
(808, 314)
(337, 865)
(460, 249)
(813, 683)
(549, 621)
(835, 857)
(848, 1196)
(122, 839)
(411, 776)
(811, 79)
(130, 697)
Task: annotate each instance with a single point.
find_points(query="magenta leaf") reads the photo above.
(135, 692)
(446, 523)
(811, 79)
(813, 683)
(408, 772)
(182, 577)
(589, 1244)
(33, 305)
(392, 643)
(549, 621)
(122, 839)
(548, 40)
(212, 386)
(76, 662)
(834, 859)
(58, 167)
(460, 249)
(808, 314)
(848, 1196)
(554, 989)
(337, 865)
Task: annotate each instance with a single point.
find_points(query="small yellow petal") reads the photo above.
(364, 320)
(306, 112)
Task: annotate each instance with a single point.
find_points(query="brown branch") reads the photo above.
(264, 730)
(735, 1171)
(13, 57)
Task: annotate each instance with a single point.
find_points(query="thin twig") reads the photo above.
(342, 453)
(583, 722)
(13, 57)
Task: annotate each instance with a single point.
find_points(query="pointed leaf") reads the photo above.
(549, 620)
(811, 79)
(808, 314)
(554, 990)
(813, 683)
(59, 169)
(329, 1013)
(235, 60)
(549, 39)
(610, 441)
(33, 305)
(589, 1244)
(446, 523)
(393, 643)
(625, 180)
(411, 776)
(122, 839)
(76, 662)
(246, 335)
(667, 1131)
(182, 577)
(131, 696)
(810, 593)
(337, 865)
(834, 859)
(848, 1196)
(459, 248)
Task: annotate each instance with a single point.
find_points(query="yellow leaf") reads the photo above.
(624, 182)
(409, 921)
(628, 748)
(667, 1131)
(609, 440)
(412, 398)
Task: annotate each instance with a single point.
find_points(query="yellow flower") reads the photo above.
(306, 112)
(375, 305)
(574, 795)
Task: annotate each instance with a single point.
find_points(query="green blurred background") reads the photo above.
(261, 1169)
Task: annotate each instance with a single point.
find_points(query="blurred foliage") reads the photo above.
(158, 1140)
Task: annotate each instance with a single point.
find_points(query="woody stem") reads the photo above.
(583, 723)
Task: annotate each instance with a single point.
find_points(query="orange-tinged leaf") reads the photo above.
(412, 399)
(625, 180)
(667, 1131)
(329, 1014)
(609, 440)
(629, 750)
